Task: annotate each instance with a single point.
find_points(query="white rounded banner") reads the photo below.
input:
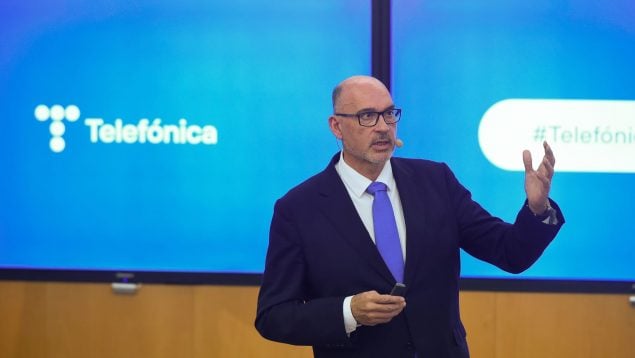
(585, 135)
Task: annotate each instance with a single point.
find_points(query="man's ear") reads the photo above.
(334, 124)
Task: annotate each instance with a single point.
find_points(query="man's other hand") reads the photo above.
(370, 308)
(538, 182)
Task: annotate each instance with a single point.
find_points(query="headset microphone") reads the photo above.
(398, 143)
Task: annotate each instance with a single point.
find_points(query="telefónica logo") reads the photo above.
(57, 127)
(144, 131)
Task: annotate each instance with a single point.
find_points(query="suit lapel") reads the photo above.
(338, 207)
(414, 212)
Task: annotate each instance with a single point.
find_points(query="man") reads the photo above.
(327, 278)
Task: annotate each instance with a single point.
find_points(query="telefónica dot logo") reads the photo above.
(144, 131)
(57, 127)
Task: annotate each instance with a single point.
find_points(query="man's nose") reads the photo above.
(381, 124)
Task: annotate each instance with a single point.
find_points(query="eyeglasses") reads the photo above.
(370, 119)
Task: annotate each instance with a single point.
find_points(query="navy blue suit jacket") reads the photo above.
(320, 252)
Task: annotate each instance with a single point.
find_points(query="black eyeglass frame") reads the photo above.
(397, 114)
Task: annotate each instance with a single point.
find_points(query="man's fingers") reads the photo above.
(389, 299)
(549, 153)
(371, 308)
(547, 168)
(373, 298)
(547, 164)
(378, 315)
(546, 181)
(383, 303)
(527, 161)
(385, 307)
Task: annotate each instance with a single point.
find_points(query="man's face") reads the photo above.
(366, 149)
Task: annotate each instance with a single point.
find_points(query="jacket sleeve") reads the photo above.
(285, 311)
(511, 247)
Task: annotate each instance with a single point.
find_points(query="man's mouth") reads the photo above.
(382, 143)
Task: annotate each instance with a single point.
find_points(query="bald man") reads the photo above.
(342, 239)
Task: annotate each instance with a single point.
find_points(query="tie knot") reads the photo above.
(375, 187)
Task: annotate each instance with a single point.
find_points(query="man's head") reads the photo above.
(366, 149)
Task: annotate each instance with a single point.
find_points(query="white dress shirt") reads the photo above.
(356, 185)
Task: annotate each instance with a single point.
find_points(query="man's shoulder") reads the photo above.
(326, 180)
(312, 185)
(418, 166)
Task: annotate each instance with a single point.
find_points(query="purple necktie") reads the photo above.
(386, 234)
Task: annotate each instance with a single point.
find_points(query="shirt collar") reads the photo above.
(358, 183)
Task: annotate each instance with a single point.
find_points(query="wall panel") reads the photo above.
(77, 320)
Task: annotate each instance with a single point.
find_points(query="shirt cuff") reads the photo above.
(552, 219)
(350, 324)
(550, 216)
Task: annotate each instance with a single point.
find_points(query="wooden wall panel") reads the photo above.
(224, 325)
(23, 326)
(478, 313)
(561, 325)
(70, 320)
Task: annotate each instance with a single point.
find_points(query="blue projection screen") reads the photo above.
(157, 135)
(479, 81)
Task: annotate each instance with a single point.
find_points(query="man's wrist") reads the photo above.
(549, 215)
(539, 210)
